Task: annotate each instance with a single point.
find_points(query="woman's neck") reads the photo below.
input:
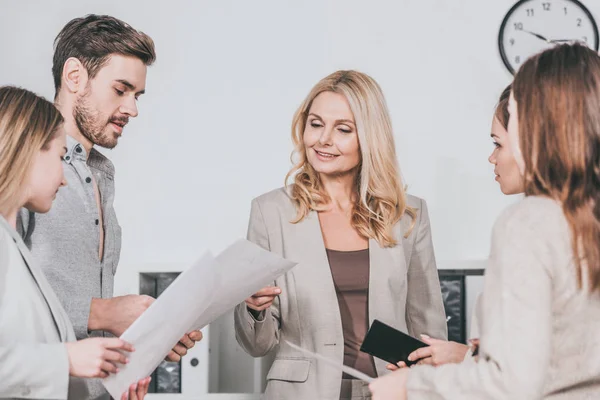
(11, 218)
(341, 191)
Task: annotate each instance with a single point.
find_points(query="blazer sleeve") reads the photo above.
(37, 371)
(257, 336)
(424, 306)
(33, 370)
(515, 350)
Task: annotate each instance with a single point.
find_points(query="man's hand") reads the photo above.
(138, 390)
(185, 343)
(115, 315)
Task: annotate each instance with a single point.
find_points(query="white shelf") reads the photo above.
(462, 264)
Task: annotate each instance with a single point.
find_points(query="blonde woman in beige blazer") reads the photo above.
(39, 357)
(364, 247)
(540, 320)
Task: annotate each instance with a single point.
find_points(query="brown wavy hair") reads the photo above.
(558, 99)
(380, 195)
(93, 39)
(501, 113)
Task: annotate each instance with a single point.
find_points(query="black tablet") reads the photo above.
(389, 344)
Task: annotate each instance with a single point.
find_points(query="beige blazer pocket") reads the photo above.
(289, 370)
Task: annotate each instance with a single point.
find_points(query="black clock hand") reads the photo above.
(536, 35)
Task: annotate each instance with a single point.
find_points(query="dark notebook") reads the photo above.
(389, 344)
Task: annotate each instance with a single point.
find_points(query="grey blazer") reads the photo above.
(33, 328)
(404, 292)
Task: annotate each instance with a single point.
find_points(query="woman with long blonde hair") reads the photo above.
(541, 301)
(39, 357)
(363, 245)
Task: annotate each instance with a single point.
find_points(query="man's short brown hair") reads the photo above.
(93, 39)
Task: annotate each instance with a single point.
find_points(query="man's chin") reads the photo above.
(110, 146)
(105, 144)
(109, 141)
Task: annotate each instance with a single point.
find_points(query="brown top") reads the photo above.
(350, 271)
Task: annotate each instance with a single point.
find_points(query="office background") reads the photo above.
(214, 127)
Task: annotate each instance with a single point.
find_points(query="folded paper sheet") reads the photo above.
(349, 370)
(198, 296)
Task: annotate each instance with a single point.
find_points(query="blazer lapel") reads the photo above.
(315, 273)
(387, 283)
(38, 276)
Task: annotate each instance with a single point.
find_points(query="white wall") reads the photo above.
(214, 126)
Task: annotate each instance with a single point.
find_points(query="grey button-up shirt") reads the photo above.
(66, 240)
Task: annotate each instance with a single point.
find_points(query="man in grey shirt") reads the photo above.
(99, 71)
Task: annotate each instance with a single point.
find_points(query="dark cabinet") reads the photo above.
(454, 294)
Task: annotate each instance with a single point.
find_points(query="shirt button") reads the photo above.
(67, 158)
(88, 179)
(97, 222)
(78, 149)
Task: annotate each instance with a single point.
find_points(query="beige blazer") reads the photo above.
(33, 328)
(539, 333)
(404, 292)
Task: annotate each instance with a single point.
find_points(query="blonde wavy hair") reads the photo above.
(28, 123)
(381, 197)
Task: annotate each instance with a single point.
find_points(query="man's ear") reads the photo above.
(74, 76)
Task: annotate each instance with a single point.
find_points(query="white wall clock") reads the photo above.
(531, 26)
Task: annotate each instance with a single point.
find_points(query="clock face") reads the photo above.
(532, 26)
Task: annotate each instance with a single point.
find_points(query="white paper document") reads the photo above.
(199, 295)
(349, 370)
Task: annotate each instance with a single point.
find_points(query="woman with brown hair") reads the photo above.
(363, 245)
(541, 300)
(39, 357)
(508, 176)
